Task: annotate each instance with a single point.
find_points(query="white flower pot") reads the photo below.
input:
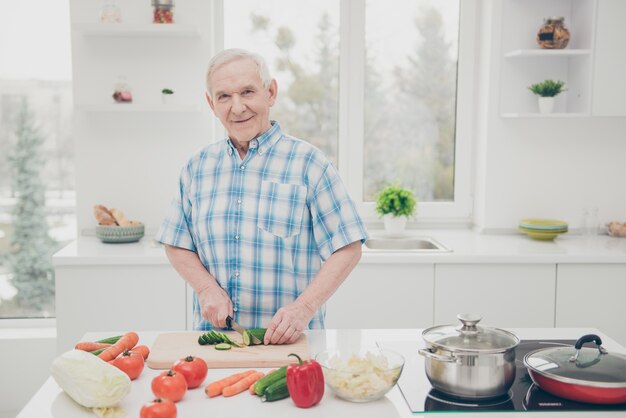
(394, 225)
(167, 98)
(546, 104)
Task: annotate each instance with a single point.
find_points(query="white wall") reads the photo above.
(131, 160)
(533, 167)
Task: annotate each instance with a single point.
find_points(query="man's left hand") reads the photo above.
(288, 324)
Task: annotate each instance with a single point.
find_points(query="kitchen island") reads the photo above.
(51, 401)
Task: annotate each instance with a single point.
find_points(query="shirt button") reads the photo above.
(234, 309)
(230, 151)
(243, 167)
(239, 201)
(236, 236)
(236, 274)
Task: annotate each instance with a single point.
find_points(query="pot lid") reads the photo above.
(470, 336)
(580, 365)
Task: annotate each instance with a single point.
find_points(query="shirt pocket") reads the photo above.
(281, 207)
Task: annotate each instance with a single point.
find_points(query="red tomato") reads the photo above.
(169, 385)
(130, 363)
(158, 408)
(193, 368)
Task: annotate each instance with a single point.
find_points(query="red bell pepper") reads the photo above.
(305, 382)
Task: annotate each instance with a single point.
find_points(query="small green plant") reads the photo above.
(395, 200)
(548, 88)
(167, 91)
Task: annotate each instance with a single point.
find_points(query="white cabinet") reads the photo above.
(610, 60)
(505, 295)
(117, 298)
(592, 295)
(525, 63)
(383, 296)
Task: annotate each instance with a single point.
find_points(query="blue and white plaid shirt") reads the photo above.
(262, 225)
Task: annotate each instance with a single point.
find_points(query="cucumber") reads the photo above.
(216, 337)
(229, 341)
(222, 346)
(110, 340)
(266, 381)
(257, 332)
(98, 351)
(276, 391)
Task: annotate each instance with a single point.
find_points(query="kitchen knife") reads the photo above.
(230, 322)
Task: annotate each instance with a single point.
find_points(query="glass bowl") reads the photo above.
(363, 375)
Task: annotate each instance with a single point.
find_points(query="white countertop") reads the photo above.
(51, 402)
(467, 247)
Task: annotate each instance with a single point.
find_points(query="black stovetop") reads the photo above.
(524, 395)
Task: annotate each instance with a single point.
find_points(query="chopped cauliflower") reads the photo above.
(361, 377)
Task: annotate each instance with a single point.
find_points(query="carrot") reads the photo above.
(127, 342)
(251, 388)
(90, 346)
(143, 350)
(242, 385)
(215, 389)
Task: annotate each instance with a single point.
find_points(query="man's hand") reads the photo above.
(289, 323)
(215, 305)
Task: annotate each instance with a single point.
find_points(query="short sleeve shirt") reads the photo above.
(262, 225)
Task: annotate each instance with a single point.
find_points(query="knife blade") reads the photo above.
(230, 322)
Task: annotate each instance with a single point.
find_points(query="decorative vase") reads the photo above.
(394, 225)
(553, 34)
(546, 104)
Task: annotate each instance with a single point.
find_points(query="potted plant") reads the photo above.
(166, 95)
(547, 90)
(395, 204)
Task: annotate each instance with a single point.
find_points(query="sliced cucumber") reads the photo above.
(222, 346)
(257, 332)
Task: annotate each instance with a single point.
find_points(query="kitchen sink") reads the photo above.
(410, 244)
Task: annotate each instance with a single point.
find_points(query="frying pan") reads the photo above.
(578, 373)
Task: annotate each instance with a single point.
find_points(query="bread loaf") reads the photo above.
(103, 215)
(120, 218)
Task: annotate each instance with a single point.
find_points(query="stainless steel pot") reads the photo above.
(470, 361)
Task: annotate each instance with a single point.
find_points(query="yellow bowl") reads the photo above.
(541, 235)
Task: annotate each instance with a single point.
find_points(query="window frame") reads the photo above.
(457, 213)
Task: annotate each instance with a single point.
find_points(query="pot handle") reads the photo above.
(587, 339)
(429, 354)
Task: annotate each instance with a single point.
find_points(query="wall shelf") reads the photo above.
(137, 30)
(521, 53)
(132, 107)
(542, 115)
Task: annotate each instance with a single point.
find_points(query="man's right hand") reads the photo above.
(215, 305)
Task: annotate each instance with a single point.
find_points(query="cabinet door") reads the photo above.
(592, 295)
(505, 295)
(609, 91)
(383, 296)
(116, 299)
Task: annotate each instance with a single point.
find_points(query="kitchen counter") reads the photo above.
(51, 402)
(467, 247)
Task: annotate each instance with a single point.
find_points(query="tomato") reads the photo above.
(158, 408)
(170, 385)
(130, 363)
(193, 368)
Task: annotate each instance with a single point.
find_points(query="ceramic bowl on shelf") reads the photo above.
(363, 375)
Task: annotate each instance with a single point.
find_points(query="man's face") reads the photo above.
(239, 100)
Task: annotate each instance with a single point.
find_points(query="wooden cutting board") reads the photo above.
(172, 346)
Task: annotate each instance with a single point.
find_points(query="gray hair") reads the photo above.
(229, 55)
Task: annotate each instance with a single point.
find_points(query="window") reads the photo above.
(382, 87)
(37, 202)
(300, 42)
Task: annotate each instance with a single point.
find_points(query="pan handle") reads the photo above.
(587, 339)
(429, 354)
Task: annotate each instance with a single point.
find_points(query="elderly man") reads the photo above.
(257, 213)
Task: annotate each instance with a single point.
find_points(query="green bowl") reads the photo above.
(120, 234)
(543, 224)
